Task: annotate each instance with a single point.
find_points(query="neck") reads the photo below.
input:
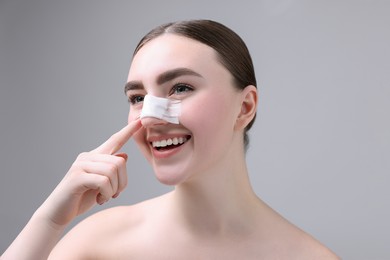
(218, 201)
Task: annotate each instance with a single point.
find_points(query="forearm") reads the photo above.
(36, 240)
(94, 177)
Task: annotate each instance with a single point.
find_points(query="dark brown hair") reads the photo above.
(231, 50)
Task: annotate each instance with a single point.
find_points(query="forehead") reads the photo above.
(170, 51)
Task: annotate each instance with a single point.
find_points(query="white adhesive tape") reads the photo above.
(161, 108)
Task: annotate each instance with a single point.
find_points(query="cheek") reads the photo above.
(139, 136)
(133, 114)
(139, 139)
(205, 114)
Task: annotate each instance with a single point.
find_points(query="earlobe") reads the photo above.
(248, 110)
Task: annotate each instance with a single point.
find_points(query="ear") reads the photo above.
(248, 110)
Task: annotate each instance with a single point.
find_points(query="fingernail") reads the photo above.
(123, 155)
(100, 199)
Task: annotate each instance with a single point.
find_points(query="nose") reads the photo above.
(152, 121)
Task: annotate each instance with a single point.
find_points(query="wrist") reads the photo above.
(43, 218)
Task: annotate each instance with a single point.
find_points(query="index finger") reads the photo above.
(117, 140)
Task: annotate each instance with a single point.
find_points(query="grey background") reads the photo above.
(319, 149)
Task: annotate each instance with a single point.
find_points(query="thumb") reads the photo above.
(123, 155)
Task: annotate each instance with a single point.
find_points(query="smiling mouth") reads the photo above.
(169, 143)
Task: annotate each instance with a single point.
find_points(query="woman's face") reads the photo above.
(177, 67)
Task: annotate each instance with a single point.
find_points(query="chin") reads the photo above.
(168, 175)
(169, 180)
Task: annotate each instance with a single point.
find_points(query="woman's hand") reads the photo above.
(94, 177)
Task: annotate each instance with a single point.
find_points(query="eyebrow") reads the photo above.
(175, 73)
(163, 78)
(133, 85)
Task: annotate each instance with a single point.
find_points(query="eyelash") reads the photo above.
(134, 99)
(180, 85)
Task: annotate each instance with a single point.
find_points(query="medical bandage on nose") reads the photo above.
(161, 108)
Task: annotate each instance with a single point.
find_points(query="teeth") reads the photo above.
(174, 141)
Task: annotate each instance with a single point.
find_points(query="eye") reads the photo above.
(135, 99)
(180, 88)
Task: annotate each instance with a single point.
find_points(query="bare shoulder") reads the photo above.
(310, 248)
(303, 246)
(99, 235)
(285, 240)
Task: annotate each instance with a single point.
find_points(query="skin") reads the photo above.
(213, 213)
(94, 178)
(213, 102)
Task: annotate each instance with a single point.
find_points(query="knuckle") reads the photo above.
(82, 156)
(76, 165)
(105, 181)
(123, 185)
(112, 168)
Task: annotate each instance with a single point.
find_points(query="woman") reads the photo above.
(213, 213)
